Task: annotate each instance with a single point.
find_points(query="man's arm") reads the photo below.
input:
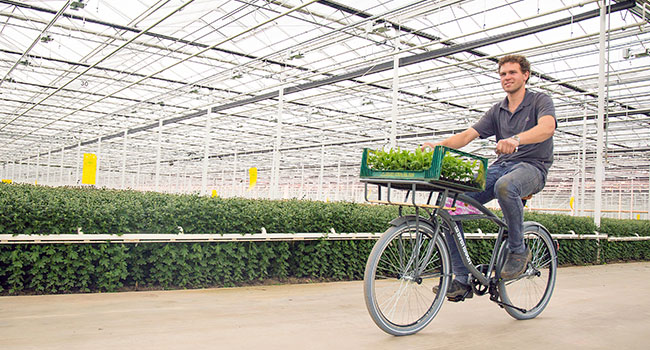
(541, 132)
(455, 141)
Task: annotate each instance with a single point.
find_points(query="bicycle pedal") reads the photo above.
(457, 299)
(460, 298)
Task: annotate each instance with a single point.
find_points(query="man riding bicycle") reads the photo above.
(523, 123)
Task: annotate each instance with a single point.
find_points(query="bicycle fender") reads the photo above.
(541, 227)
(410, 218)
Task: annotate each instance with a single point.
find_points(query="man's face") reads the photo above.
(512, 79)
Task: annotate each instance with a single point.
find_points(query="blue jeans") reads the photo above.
(507, 182)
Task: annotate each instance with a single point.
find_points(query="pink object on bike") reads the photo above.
(462, 208)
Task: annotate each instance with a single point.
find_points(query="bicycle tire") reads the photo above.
(533, 290)
(400, 300)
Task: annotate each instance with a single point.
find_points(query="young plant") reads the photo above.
(417, 160)
(453, 168)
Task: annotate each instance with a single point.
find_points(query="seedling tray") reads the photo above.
(433, 173)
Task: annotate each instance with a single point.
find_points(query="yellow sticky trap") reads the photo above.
(571, 202)
(7, 181)
(252, 178)
(89, 172)
(638, 216)
(214, 194)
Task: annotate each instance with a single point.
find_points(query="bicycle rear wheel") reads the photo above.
(401, 271)
(533, 289)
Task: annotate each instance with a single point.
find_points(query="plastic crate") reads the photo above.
(433, 173)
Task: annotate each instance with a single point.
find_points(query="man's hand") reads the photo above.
(429, 145)
(507, 146)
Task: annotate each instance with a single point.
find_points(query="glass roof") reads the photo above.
(78, 75)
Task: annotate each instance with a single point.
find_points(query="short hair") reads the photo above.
(523, 63)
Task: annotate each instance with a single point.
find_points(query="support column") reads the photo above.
(77, 176)
(338, 182)
(137, 175)
(302, 183)
(61, 165)
(394, 110)
(601, 115)
(234, 176)
(584, 160)
(574, 190)
(620, 200)
(275, 169)
(124, 144)
(99, 179)
(206, 152)
(38, 164)
(158, 154)
(631, 198)
(321, 195)
(49, 166)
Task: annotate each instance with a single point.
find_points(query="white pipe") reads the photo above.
(234, 237)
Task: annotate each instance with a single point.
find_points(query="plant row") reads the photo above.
(61, 268)
(112, 267)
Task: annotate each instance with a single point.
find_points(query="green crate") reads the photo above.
(433, 173)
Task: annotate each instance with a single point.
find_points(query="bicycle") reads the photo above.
(412, 256)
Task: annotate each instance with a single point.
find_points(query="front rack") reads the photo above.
(412, 187)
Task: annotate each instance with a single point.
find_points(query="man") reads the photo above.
(523, 124)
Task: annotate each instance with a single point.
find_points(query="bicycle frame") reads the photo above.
(442, 211)
(452, 222)
(405, 296)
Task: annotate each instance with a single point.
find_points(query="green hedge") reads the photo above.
(29, 209)
(62, 268)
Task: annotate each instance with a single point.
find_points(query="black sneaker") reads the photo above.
(457, 291)
(515, 264)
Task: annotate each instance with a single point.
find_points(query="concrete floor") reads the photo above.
(593, 307)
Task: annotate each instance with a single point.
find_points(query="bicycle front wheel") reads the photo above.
(403, 267)
(533, 289)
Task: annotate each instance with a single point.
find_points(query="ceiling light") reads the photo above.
(295, 55)
(76, 5)
(629, 53)
(46, 38)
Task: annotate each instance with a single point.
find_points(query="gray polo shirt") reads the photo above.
(500, 122)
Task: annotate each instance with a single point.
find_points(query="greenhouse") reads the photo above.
(278, 99)
(288, 174)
